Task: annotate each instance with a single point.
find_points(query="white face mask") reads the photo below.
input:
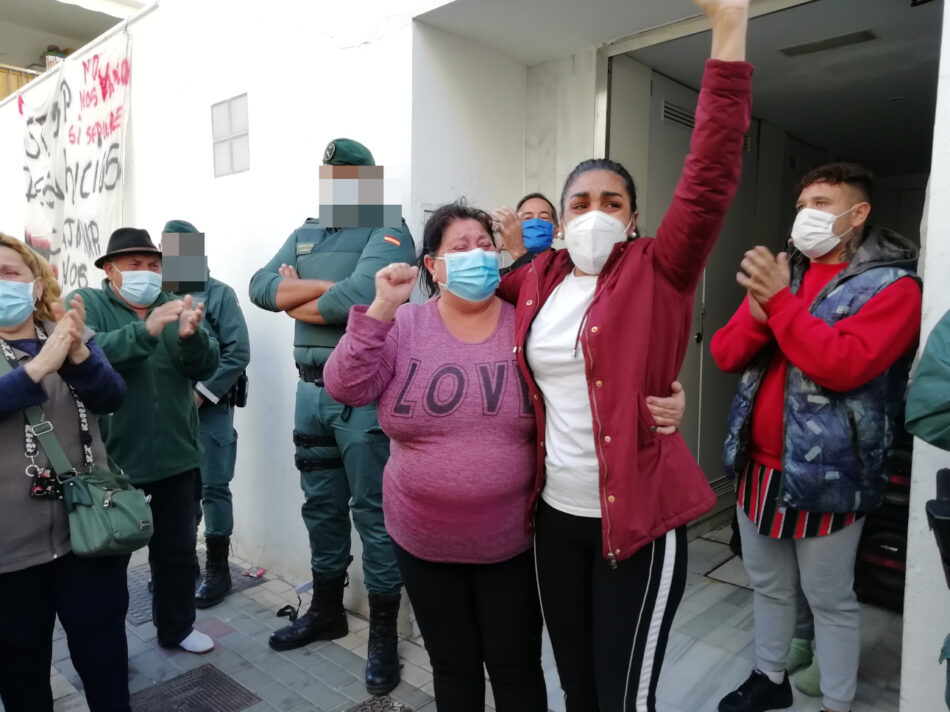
(591, 238)
(813, 232)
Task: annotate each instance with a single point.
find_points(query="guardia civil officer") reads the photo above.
(216, 398)
(315, 278)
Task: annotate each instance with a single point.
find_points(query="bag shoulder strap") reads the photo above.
(43, 430)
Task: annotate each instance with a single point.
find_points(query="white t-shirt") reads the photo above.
(556, 358)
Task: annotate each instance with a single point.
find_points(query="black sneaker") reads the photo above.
(758, 694)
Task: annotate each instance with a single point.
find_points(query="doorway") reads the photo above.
(833, 81)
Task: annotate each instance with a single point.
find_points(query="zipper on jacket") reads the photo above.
(580, 330)
(780, 494)
(601, 459)
(157, 411)
(855, 446)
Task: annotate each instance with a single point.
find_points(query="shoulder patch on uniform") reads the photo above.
(304, 248)
(392, 240)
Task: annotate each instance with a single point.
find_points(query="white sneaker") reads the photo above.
(197, 642)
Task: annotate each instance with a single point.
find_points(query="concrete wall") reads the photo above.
(559, 120)
(628, 121)
(899, 204)
(771, 204)
(927, 598)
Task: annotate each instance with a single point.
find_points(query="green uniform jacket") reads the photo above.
(225, 320)
(154, 434)
(349, 257)
(928, 400)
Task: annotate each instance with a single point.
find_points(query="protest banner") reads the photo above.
(74, 159)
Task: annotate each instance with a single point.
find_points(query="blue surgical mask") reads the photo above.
(16, 302)
(537, 233)
(140, 287)
(473, 275)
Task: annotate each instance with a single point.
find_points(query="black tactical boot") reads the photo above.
(325, 620)
(217, 580)
(382, 660)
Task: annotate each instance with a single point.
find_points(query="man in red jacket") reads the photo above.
(821, 341)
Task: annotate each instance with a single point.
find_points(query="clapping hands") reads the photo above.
(65, 341)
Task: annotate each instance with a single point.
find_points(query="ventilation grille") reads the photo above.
(794, 163)
(684, 117)
(829, 43)
(678, 115)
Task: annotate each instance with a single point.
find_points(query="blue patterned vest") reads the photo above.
(834, 443)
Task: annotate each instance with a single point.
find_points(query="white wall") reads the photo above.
(337, 86)
(344, 71)
(24, 46)
(468, 119)
(927, 598)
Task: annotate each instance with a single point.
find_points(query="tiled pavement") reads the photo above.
(710, 652)
(325, 676)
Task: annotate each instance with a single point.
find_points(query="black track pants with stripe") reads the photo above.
(608, 626)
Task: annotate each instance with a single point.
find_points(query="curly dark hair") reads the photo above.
(435, 229)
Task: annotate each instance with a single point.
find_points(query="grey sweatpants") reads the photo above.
(825, 567)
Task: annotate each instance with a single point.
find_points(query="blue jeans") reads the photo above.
(91, 598)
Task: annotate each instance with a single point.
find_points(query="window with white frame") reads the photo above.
(229, 133)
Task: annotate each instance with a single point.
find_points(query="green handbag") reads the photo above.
(107, 516)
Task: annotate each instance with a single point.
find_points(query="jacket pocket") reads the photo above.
(646, 425)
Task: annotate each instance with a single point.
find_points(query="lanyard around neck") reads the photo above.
(37, 427)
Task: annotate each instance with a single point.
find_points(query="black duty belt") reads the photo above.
(311, 374)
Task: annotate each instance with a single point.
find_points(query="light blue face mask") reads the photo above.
(16, 302)
(140, 287)
(473, 275)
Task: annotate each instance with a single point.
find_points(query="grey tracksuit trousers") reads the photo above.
(825, 568)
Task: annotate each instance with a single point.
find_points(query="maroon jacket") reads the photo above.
(638, 325)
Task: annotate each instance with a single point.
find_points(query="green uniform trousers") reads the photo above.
(219, 441)
(341, 452)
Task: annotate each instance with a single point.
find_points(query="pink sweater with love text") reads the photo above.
(462, 431)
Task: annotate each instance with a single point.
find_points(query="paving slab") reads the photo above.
(711, 643)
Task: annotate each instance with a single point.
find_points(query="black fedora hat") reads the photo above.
(128, 240)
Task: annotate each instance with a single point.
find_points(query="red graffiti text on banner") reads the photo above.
(108, 76)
